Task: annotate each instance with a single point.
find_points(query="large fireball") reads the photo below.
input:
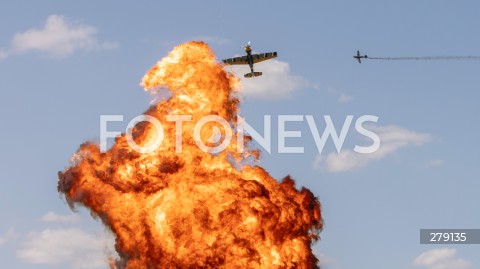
(187, 208)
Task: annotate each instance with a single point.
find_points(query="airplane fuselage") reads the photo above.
(360, 57)
(248, 50)
(250, 59)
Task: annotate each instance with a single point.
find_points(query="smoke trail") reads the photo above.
(428, 58)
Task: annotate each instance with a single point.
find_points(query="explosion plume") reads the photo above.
(192, 209)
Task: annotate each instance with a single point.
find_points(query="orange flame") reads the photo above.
(192, 209)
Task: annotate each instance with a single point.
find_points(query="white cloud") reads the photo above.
(327, 262)
(58, 38)
(443, 258)
(3, 54)
(7, 236)
(53, 217)
(341, 96)
(392, 138)
(344, 98)
(317, 163)
(66, 246)
(275, 83)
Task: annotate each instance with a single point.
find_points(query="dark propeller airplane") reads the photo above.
(359, 57)
(250, 59)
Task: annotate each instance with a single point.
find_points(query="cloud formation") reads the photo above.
(54, 217)
(341, 96)
(3, 54)
(443, 258)
(327, 262)
(276, 83)
(70, 246)
(436, 162)
(7, 236)
(392, 138)
(58, 38)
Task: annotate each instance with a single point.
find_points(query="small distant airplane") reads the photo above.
(358, 57)
(250, 59)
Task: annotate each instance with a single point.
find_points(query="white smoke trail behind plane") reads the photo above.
(428, 58)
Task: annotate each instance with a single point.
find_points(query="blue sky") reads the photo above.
(53, 88)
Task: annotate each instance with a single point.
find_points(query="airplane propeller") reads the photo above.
(248, 45)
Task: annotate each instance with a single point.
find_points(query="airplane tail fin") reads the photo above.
(253, 74)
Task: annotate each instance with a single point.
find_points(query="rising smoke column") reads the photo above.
(192, 209)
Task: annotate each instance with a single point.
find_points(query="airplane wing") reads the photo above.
(236, 60)
(263, 56)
